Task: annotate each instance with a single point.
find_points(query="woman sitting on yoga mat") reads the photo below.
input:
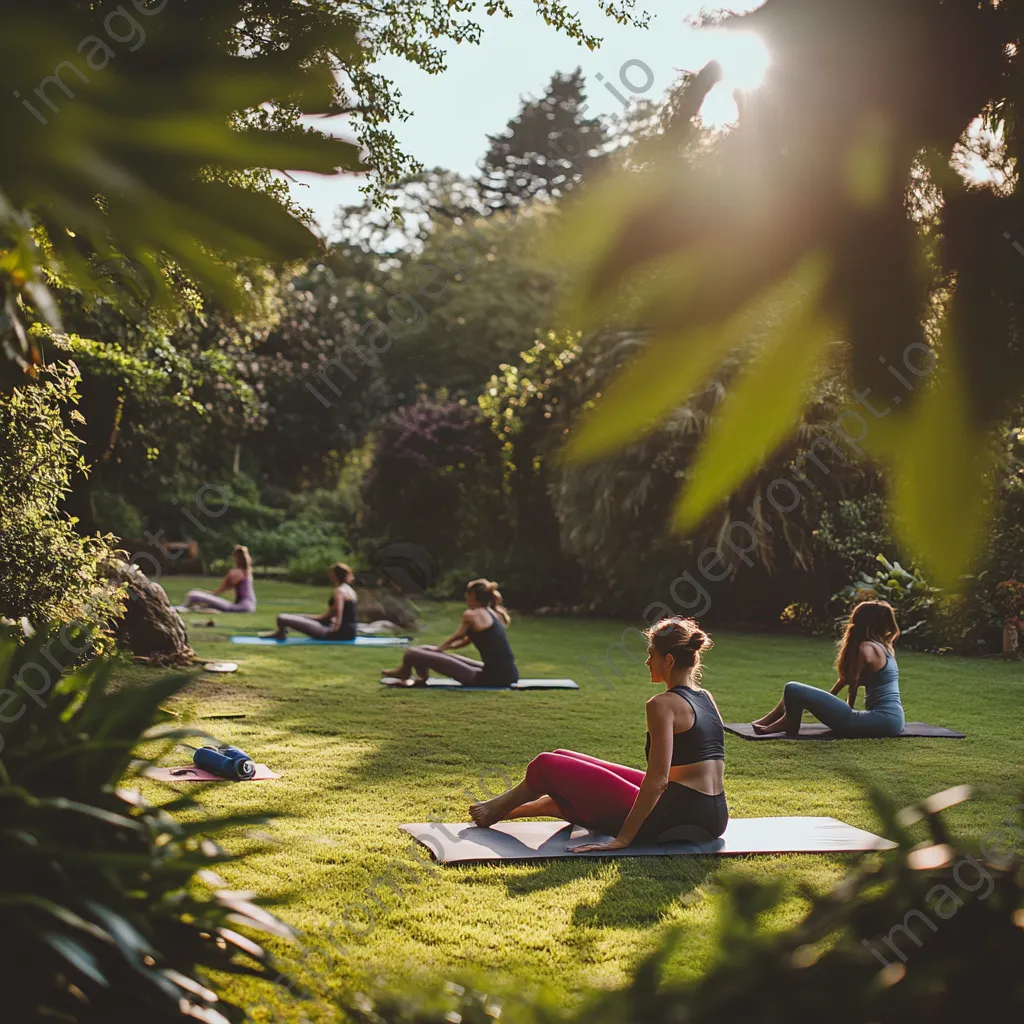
(684, 781)
(240, 578)
(340, 620)
(865, 659)
(483, 625)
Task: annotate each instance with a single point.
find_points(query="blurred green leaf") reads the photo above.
(759, 411)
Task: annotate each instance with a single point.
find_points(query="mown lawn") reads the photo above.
(357, 760)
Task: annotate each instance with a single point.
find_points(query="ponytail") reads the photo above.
(486, 593)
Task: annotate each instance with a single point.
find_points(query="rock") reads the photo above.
(150, 627)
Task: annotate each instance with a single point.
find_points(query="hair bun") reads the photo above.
(492, 587)
(696, 641)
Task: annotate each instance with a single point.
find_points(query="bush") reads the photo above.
(106, 899)
(47, 571)
(917, 605)
(312, 563)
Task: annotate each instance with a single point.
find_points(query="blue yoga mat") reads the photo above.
(360, 641)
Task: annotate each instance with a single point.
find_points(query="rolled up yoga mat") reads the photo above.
(227, 762)
(543, 840)
(294, 641)
(817, 731)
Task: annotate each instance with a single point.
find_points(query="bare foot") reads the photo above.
(393, 673)
(488, 812)
(761, 728)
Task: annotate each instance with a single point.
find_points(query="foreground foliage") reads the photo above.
(110, 904)
(838, 194)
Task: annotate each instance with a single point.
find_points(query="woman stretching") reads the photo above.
(240, 577)
(340, 620)
(683, 784)
(483, 625)
(865, 659)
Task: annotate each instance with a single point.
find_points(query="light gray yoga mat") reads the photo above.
(294, 641)
(455, 843)
(524, 684)
(817, 731)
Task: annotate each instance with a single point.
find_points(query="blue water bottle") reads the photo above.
(228, 763)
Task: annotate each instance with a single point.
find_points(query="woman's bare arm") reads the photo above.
(229, 582)
(659, 724)
(339, 606)
(460, 638)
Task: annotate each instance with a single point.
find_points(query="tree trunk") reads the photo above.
(150, 627)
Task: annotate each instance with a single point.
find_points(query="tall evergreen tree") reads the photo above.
(546, 149)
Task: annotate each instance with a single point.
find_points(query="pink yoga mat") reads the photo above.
(190, 773)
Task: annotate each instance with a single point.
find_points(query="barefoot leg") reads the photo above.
(487, 812)
(773, 716)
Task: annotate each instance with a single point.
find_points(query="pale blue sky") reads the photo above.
(482, 89)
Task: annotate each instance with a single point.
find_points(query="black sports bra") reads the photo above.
(705, 739)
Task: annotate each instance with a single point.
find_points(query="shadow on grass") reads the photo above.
(645, 889)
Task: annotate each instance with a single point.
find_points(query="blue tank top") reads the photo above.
(883, 688)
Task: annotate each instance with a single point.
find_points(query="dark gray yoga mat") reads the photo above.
(817, 731)
(295, 641)
(523, 684)
(454, 843)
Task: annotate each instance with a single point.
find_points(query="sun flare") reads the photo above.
(744, 59)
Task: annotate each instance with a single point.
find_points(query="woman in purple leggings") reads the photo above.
(483, 625)
(240, 577)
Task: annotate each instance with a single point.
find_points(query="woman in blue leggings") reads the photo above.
(865, 659)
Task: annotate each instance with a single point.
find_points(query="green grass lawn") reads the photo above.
(357, 760)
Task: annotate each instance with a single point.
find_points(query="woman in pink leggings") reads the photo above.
(684, 781)
(239, 578)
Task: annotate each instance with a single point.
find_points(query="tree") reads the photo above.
(548, 148)
(111, 164)
(436, 481)
(812, 195)
(318, 382)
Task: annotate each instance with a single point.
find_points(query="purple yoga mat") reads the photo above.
(189, 773)
(817, 731)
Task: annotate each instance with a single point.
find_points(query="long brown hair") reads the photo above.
(242, 559)
(684, 640)
(870, 620)
(486, 593)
